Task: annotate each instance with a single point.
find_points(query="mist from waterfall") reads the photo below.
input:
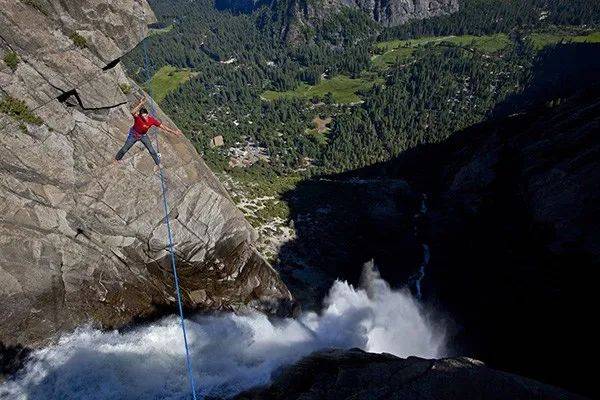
(230, 352)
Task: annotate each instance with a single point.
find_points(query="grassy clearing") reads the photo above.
(393, 51)
(161, 31)
(541, 40)
(343, 89)
(486, 44)
(167, 79)
(397, 43)
(393, 56)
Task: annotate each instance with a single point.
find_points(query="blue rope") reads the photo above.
(171, 249)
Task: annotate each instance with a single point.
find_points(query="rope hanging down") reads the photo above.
(170, 235)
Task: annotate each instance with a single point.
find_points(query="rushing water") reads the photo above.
(420, 275)
(230, 352)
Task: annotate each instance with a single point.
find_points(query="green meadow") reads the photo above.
(541, 40)
(392, 51)
(167, 79)
(345, 90)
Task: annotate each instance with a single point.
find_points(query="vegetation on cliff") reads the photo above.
(18, 110)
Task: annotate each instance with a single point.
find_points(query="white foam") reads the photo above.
(230, 352)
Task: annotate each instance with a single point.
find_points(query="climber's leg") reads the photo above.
(146, 140)
(128, 143)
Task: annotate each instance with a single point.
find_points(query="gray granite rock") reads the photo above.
(83, 240)
(386, 12)
(397, 12)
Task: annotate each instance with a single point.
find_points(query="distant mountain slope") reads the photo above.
(297, 15)
(302, 14)
(396, 12)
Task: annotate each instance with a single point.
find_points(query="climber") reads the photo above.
(143, 121)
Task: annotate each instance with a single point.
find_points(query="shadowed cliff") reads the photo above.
(511, 223)
(354, 374)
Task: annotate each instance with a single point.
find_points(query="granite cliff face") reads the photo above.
(296, 15)
(83, 240)
(354, 374)
(397, 12)
(302, 13)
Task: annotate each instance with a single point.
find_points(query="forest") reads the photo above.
(381, 90)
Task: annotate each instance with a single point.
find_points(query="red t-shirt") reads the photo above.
(141, 125)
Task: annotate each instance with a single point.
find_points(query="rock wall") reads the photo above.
(397, 12)
(354, 374)
(81, 239)
(512, 225)
(302, 13)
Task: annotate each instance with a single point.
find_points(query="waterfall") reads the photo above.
(420, 275)
(231, 353)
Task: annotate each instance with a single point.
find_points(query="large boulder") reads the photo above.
(81, 239)
(354, 374)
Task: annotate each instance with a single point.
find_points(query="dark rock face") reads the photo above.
(343, 223)
(354, 374)
(515, 238)
(512, 227)
(397, 12)
(83, 240)
(302, 13)
(239, 6)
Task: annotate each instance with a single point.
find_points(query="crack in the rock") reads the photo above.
(111, 64)
(36, 198)
(66, 95)
(203, 241)
(27, 175)
(107, 205)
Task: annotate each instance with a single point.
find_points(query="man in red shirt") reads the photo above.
(142, 122)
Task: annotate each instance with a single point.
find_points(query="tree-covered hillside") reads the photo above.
(436, 88)
(351, 92)
(484, 17)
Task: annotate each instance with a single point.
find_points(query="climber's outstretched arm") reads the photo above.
(175, 132)
(135, 110)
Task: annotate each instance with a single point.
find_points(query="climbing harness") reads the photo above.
(170, 236)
